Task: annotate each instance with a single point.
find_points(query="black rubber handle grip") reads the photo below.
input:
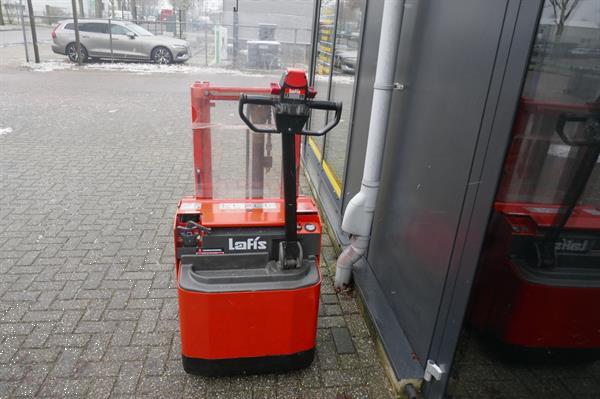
(325, 106)
(594, 138)
(256, 100)
(271, 101)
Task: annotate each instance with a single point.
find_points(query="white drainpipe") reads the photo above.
(358, 216)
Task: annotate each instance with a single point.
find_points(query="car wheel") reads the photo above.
(72, 52)
(162, 55)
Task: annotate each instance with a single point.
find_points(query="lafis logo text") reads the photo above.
(247, 245)
(571, 245)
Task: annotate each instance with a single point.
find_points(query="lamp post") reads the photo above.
(236, 33)
(36, 51)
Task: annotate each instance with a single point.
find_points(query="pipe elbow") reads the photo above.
(349, 256)
(358, 216)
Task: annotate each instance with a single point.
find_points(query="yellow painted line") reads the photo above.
(331, 176)
(314, 147)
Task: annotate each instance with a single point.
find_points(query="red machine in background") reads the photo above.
(165, 13)
(538, 283)
(247, 251)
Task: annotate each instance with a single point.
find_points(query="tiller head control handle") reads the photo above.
(292, 101)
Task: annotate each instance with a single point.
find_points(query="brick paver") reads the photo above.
(483, 370)
(89, 181)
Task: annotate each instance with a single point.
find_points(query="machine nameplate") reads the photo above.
(236, 206)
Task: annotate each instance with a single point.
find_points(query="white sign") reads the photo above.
(240, 206)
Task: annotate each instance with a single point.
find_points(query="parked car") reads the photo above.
(200, 23)
(129, 42)
(345, 60)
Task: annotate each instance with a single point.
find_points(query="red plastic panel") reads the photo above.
(232, 325)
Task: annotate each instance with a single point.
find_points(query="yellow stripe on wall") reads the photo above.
(331, 176)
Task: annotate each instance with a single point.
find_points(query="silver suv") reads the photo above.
(129, 42)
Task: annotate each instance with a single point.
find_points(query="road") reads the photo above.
(14, 36)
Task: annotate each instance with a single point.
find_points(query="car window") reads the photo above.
(94, 27)
(119, 30)
(69, 26)
(138, 30)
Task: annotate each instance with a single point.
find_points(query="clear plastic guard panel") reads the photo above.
(238, 163)
(540, 166)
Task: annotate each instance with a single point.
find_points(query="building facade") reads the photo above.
(463, 70)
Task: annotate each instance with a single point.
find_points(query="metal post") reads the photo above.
(295, 46)
(76, 25)
(112, 56)
(217, 44)
(236, 34)
(23, 29)
(180, 24)
(36, 51)
(205, 45)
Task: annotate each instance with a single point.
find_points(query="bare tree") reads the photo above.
(181, 4)
(148, 7)
(1, 16)
(562, 12)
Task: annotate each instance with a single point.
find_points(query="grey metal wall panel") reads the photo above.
(447, 58)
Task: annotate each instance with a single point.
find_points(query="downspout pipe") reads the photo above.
(358, 217)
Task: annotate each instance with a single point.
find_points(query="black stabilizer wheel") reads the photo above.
(71, 52)
(162, 55)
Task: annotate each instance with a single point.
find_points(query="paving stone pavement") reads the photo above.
(89, 181)
(484, 371)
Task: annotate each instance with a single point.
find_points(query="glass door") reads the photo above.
(336, 64)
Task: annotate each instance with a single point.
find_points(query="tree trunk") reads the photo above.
(559, 29)
(1, 16)
(81, 13)
(133, 10)
(561, 21)
(99, 8)
(8, 16)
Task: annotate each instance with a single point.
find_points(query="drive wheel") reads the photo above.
(162, 55)
(72, 52)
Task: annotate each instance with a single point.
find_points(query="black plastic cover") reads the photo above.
(243, 272)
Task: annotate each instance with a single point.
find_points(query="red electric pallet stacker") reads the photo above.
(538, 283)
(247, 269)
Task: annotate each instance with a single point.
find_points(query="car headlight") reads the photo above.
(182, 46)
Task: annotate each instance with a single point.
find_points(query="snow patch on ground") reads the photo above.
(138, 68)
(49, 66)
(340, 79)
(5, 130)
